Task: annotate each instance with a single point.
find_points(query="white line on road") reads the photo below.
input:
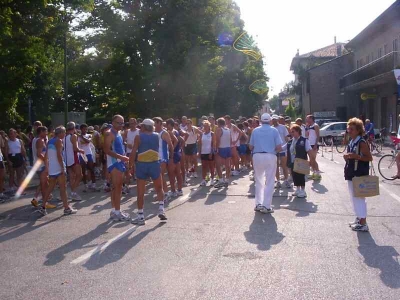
(102, 247)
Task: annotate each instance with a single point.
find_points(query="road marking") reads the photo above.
(390, 193)
(104, 246)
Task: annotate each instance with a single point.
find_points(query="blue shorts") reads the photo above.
(177, 157)
(144, 170)
(120, 166)
(55, 176)
(225, 152)
(89, 159)
(282, 154)
(242, 149)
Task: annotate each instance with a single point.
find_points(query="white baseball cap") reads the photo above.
(275, 117)
(148, 122)
(266, 118)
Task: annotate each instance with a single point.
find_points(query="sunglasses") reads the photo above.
(119, 123)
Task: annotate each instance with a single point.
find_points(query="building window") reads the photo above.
(380, 52)
(396, 45)
(385, 49)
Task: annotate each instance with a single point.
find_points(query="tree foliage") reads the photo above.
(134, 57)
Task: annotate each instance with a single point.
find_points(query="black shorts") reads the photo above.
(190, 149)
(17, 160)
(206, 157)
(1, 165)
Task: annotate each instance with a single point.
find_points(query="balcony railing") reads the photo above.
(374, 69)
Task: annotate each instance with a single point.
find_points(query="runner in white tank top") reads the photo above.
(312, 134)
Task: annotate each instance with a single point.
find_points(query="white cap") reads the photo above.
(266, 118)
(275, 117)
(148, 122)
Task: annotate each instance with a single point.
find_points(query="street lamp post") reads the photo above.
(65, 67)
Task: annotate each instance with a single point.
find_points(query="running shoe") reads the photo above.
(75, 197)
(287, 184)
(34, 202)
(120, 216)
(219, 184)
(42, 210)
(125, 190)
(139, 220)
(302, 194)
(50, 206)
(203, 183)
(258, 207)
(360, 227)
(317, 176)
(278, 185)
(179, 193)
(161, 214)
(265, 210)
(356, 221)
(70, 211)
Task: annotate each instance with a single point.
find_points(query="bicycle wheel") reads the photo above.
(379, 145)
(387, 166)
(341, 145)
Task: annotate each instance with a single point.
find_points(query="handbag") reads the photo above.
(366, 186)
(301, 166)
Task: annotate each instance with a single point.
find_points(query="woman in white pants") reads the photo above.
(357, 159)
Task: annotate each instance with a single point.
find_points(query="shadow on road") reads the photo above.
(263, 232)
(116, 251)
(318, 188)
(56, 256)
(384, 258)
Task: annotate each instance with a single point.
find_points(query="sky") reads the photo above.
(280, 27)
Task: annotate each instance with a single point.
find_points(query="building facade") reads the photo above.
(307, 67)
(370, 88)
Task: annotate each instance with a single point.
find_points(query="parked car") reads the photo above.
(332, 131)
(320, 122)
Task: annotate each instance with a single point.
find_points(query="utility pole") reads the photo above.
(65, 67)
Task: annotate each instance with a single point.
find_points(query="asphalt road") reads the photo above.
(214, 246)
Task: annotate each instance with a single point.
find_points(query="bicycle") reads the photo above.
(377, 143)
(387, 165)
(342, 142)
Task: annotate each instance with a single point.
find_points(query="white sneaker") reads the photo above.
(203, 183)
(302, 194)
(278, 185)
(258, 207)
(355, 222)
(212, 182)
(75, 197)
(296, 193)
(179, 193)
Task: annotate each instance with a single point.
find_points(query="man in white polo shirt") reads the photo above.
(265, 143)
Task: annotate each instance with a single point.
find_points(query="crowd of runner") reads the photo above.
(122, 154)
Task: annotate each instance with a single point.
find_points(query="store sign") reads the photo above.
(324, 114)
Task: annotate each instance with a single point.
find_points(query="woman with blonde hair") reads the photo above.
(357, 160)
